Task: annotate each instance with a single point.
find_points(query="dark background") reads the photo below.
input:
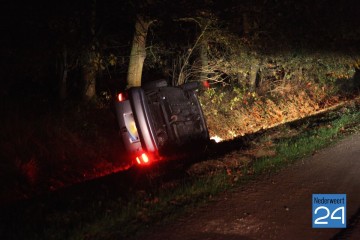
(34, 32)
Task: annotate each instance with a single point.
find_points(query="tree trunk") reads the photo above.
(63, 85)
(254, 75)
(246, 24)
(63, 70)
(138, 52)
(89, 78)
(204, 61)
(89, 68)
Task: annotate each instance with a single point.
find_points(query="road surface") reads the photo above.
(279, 206)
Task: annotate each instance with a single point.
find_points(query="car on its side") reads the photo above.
(158, 121)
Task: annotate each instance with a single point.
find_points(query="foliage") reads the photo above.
(288, 85)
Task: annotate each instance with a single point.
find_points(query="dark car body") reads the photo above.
(158, 120)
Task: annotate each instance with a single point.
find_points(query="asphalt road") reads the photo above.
(278, 206)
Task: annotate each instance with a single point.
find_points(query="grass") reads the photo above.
(308, 142)
(104, 216)
(140, 213)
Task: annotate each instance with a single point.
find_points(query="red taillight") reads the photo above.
(206, 84)
(122, 97)
(143, 158)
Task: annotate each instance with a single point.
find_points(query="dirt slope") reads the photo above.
(279, 206)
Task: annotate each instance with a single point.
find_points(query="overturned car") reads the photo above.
(158, 121)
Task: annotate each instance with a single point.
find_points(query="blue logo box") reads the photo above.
(329, 210)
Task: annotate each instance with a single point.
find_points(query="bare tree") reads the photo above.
(185, 69)
(138, 48)
(90, 65)
(62, 68)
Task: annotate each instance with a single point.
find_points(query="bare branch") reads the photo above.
(181, 73)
